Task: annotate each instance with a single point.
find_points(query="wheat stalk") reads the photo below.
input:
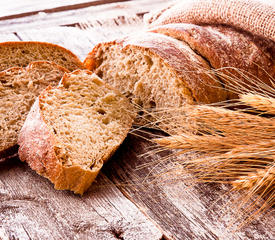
(235, 147)
(261, 182)
(249, 168)
(215, 121)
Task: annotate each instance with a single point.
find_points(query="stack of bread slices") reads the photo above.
(78, 122)
(70, 121)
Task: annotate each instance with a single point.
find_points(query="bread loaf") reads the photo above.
(239, 56)
(173, 64)
(18, 89)
(73, 129)
(157, 70)
(20, 54)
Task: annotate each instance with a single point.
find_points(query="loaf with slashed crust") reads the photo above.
(178, 63)
(18, 89)
(73, 129)
(159, 71)
(20, 54)
(239, 57)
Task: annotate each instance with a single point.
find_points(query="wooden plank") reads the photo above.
(17, 6)
(31, 7)
(81, 41)
(102, 12)
(31, 209)
(185, 212)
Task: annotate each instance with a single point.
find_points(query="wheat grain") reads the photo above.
(258, 181)
(262, 103)
(203, 119)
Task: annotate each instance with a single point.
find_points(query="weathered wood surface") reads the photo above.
(17, 8)
(31, 209)
(185, 212)
(90, 14)
(121, 204)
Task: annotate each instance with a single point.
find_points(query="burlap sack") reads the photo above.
(255, 16)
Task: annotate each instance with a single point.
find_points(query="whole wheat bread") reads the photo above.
(18, 89)
(73, 129)
(20, 54)
(159, 71)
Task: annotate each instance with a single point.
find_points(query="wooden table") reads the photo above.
(124, 202)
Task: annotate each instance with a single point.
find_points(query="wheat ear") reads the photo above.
(203, 119)
(262, 103)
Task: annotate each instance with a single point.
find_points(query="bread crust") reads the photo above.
(178, 56)
(37, 141)
(12, 148)
(78, 64)
(228, 47)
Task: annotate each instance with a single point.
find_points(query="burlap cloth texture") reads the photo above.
(254, 16)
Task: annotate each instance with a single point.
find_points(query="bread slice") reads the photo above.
(239, 56)
(159, 71)
(18, 89)
(20, 54)
(73, 129)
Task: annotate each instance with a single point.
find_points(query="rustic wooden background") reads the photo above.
(124, 202)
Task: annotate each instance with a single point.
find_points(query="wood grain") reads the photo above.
(30, 7)
(31, 209)
(18, 7)
(101, 12)
(8, 37)
(82, 40)
(184, 211)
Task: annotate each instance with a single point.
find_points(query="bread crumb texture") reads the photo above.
(87, 120)
(18, 89)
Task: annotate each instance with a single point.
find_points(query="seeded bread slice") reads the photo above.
(73, 129)
(20, 54)
(18, 89)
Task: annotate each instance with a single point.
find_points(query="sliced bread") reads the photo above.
(20, 54)
(73, 129)
(18, 89)
(159, 71)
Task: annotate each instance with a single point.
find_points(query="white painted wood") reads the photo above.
(14, 7)
(100, 13)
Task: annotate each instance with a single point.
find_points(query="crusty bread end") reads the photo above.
(20, 54)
